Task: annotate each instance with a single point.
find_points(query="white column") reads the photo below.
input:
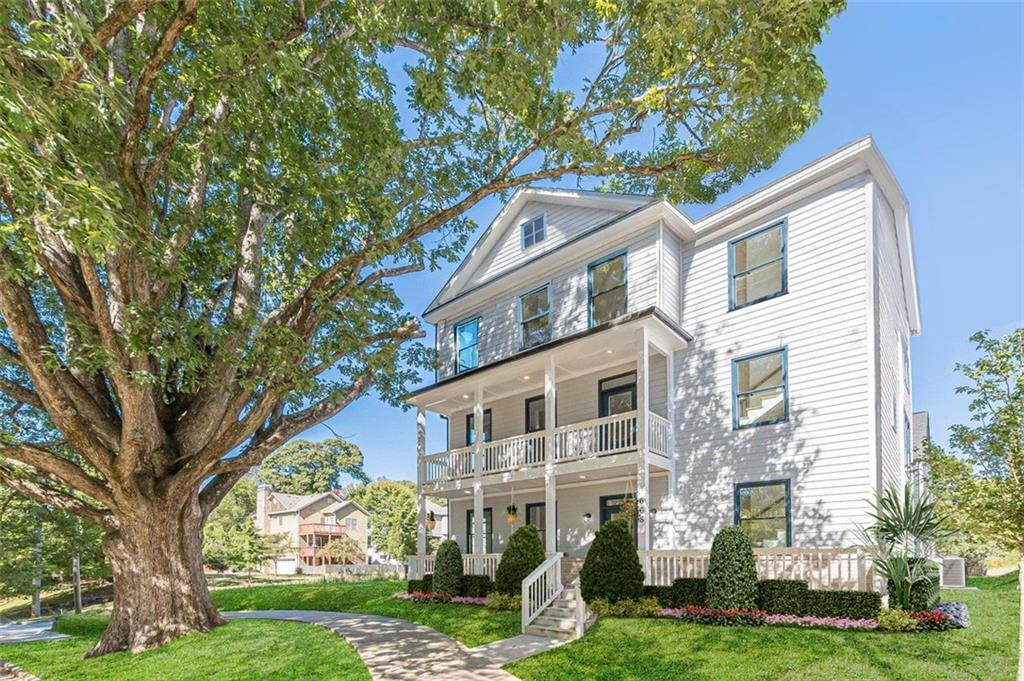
(421, 477)
(642, 478)
(673, 455)
(478, 471)
(550, 499)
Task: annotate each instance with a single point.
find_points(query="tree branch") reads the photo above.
(55, 498)
(64, 470)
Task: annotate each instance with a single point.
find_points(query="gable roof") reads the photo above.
(294, 503)
(626, 205)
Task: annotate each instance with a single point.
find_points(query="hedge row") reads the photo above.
(476, 586)
(777, 597)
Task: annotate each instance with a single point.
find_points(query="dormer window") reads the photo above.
(533, 231)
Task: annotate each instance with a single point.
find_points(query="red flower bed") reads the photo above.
(933, 620)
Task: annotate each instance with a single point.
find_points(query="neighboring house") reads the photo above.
(310, 522)
(751, 367)
(922, 433)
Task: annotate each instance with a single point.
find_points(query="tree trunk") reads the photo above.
(160, 591)
(1020, 628)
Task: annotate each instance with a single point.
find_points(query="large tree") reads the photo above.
(203, 207)
(392, 508)
(303, 467)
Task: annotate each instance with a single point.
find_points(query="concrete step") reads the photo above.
(560, 611)
(547, 622)
(560, 634)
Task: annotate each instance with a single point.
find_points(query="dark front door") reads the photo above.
(611, 509)
(536, 515)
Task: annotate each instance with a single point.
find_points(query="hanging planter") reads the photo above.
(511, 514)
(632, 508)
(431, 521)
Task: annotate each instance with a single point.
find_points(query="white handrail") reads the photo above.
(658, 434)
(540, 588)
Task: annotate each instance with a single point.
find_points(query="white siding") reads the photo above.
(824, 447)
(562, 223)
(671, 276)
(568, 291)
(892, 323)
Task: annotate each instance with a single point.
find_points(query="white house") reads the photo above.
(750, 368)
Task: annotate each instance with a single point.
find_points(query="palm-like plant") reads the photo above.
(905, 532)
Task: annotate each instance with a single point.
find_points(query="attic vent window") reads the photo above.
(533, 231)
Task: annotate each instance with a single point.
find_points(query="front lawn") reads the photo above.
(472, 625)
(658, 649)
(239, 650)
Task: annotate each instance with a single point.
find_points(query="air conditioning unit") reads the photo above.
(953, 574)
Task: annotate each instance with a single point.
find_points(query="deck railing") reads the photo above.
(822, 568)
(540, 588)
(659, 434)
(472, 564)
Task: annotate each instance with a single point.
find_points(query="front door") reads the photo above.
(611, 509)
(536, 515)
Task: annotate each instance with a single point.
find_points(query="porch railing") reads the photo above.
(472, 564)
(822, 568)
(596, 437)
(540, 588)
(659, 433)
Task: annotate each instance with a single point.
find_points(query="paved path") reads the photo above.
(397, 650)
(36, 630)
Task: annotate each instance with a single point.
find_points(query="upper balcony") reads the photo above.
(322, 529)
(597, 400)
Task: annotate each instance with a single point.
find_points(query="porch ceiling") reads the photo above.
(562, 480)
(585, 354)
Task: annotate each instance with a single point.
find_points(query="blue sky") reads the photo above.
(941, 89)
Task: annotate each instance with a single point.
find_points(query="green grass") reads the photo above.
(622, 649)
(472, 625)
(20, 607)
(240, 650)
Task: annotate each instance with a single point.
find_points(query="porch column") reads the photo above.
(421, 478)
(643, 525)
(478, 517)
(478, 471)
(673, 455)
(642, 368)
(550, 500)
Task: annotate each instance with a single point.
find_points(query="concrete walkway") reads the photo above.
(24, 632)
(397, 650)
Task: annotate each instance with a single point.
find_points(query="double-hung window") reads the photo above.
(757, 266)
(351, 524)
(607, 282)
(534, 319)
(533, 231)
(763, 510)
(760, 391)
(471, 428)
(905, 351)
(467, 334)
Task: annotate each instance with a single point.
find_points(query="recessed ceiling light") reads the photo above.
(610, 352)
(526, 378)
(465, 397)
(583, 477)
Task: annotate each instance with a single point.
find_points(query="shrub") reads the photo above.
(612, 569)
(924, 594)
(689, 591)
(424, 585)
(724, 617)
(957, 612)
(896, 620)
(782, 596)
(934, 620)
(499, 601)
(662, 594)
(732, 573)
(645, 607)
(850, 604)
(476, 586)
(522, 556)
(448, 569)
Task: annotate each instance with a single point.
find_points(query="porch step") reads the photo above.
(548, 632)
(546, 621)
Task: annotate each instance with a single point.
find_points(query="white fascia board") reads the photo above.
(495, 230)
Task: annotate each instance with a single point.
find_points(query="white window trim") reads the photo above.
(543, 217)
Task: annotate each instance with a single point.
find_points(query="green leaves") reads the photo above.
(304, 467)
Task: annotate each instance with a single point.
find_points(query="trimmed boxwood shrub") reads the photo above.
(662, 594)
(448, 569)
(476, 586)
(422, 586)
(924, 595)
(612, 569)
(856, 605)
(689, 591)
(732, 573)
(522, 556)
(782, 596)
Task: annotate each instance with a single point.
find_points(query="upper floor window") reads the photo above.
(757, 266)
(763, 510)
(467, 334)
(471, 428)
(533, 316)
(607, 280)
(759, 389)
(905, 351)
(533, 231)
(351, 524)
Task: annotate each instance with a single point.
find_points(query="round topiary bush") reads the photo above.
(448, 569)
(523, 555)
(612, 569)
(732, 573)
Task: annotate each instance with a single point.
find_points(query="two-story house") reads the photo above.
(603, 354)
(311, 522)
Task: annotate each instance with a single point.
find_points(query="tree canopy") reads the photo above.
(204, 206)
(303, 467)
(392, 508)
